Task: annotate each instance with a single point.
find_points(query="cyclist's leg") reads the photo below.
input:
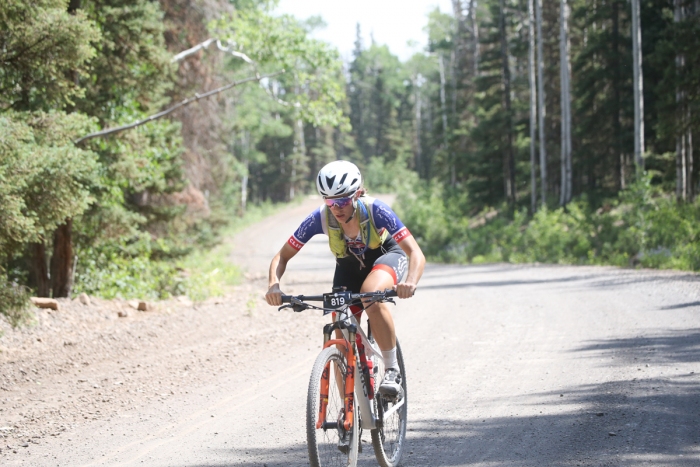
(379, 314)
(389, 269)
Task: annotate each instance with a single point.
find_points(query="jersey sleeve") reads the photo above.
(310, 227)
(385, 218)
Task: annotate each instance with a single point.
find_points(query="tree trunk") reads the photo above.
(617, 125)
(565, 104)
(533, 103)
(541, 109)
(475, 37)
(680, 140)
(684, 137)
(443, 107)
(689, 157)
(638, 90)
(244, 181)
(459, 52)
(509, 158)
(62, 260)
(39, 271)
(419, 148)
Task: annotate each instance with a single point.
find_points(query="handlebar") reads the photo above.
(338, 300)
(353, 296)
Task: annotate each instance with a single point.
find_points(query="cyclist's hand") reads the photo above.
(274, 295)
(405, 289)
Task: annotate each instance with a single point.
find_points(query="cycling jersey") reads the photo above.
(383, 218)
(351, 270)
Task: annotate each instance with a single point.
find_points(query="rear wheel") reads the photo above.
(331, 445)
(389, 440)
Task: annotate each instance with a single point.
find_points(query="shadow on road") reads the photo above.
(593, 280)
(621, 423)
(681, 305)
(672, 346)
(628, 422)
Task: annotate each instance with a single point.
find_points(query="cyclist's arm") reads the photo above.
(277, 267)
(416, 264)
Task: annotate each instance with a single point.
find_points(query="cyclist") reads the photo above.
(370, 244)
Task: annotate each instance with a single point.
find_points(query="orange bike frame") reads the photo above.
(349, 352)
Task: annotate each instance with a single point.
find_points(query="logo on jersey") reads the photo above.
(386, 216)
(305, 226)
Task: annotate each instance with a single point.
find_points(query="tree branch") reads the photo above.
(109, 131)
(234, 53)
(192, 50)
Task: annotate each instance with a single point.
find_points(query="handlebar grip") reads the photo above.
(286, 298)
(391, 293)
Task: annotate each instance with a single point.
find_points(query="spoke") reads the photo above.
(391, 411)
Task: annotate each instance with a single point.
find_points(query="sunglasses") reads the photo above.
(338, 202)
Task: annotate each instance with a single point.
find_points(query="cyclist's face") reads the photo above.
(341, 207)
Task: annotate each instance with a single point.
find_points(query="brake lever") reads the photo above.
(284, 306)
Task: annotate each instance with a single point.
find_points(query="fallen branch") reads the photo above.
(189, 100)
(190, 51)
(234, 53)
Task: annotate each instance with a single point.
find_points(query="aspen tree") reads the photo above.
(533, 102)
(566, 169)
(541, 109)
(638, 89)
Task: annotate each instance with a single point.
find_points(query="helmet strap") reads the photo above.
(354, 210)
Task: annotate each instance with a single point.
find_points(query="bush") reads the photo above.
(423, 211)
(148, 269)
(14, 303)
(642, 226)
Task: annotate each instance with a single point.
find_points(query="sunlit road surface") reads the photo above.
(507, 366)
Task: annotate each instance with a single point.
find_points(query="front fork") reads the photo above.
(349, 399)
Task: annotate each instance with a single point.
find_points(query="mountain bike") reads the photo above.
(342, 401)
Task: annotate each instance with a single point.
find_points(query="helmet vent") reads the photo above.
(330, 180)
(353, 181)
(340, 183)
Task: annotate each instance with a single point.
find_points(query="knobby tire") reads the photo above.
(323, 444)
(389, 442)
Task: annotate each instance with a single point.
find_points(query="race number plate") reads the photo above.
(336, 300)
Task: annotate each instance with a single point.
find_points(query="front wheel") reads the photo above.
(389, 440)
(330, 445)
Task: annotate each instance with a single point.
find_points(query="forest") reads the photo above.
(134, 132)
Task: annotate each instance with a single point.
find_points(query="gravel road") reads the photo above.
(506, 365)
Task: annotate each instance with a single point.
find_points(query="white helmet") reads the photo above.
(338, 178)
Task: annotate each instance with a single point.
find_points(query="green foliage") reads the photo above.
(110, 274)
(44, 178)
(131, 71)
(44, 49)
(640, 227)
(423, 209)
(382, 176)
(132, 269)
(281, 43)
(379, 114)
(14, 303)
